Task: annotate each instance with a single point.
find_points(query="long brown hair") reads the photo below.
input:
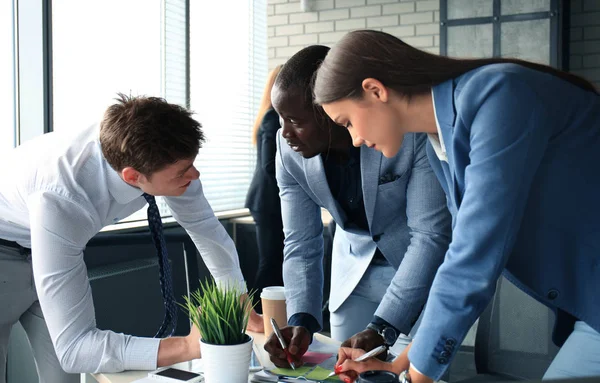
(265, 102)
(407, 70)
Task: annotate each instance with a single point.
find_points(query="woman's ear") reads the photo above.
(375, 89)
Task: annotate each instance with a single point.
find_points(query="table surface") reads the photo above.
(130, 376)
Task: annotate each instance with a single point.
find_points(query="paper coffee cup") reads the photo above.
(273, 306)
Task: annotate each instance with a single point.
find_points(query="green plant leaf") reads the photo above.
(219, 313)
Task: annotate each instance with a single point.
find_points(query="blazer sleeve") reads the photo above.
(507, 135)
(303, 244)
(429, 227)
(269, 126)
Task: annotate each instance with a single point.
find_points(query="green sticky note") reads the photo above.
(320, 374)
(300, 371)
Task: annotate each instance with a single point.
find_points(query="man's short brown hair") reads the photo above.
(148, 134)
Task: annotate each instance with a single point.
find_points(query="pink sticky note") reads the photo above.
(315, 357)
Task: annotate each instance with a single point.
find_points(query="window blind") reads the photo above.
(228, 68)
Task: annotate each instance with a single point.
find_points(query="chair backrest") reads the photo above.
(514, 336)
(123, 273)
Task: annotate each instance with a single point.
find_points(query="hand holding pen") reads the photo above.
(283, 344)
(353, 361)
(366, 356)
(297, 339)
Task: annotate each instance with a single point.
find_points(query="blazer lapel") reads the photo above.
(443, 97)
(370, 163)
(317, 182)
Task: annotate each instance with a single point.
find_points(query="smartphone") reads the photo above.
(175, 375)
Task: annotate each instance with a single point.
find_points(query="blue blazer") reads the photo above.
(523, 186)
(408, 220)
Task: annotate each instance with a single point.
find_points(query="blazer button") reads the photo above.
(444, 354)
(442, 360)
(376, 237)
(552, 294)
(448, 348)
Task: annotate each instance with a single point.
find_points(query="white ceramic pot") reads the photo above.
(226, 364)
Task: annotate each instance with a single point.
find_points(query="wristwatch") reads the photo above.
(404, 377)
(388, 333)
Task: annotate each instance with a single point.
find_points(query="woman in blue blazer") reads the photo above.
(516, 147)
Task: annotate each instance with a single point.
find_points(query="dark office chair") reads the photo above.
(123, 273)
(514, 337)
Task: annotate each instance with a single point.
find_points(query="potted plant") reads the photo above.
(222, 316)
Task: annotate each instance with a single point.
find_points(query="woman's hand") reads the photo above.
(348, 370)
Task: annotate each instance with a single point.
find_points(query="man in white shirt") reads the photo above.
(56, 192)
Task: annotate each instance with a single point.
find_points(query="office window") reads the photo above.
(100, 48)
(7, 77)
(528, 30)
(228, 70)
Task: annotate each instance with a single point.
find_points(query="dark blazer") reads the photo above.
(263, 195)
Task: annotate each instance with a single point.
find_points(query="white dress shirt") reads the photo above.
(56, 192)
(437, 141)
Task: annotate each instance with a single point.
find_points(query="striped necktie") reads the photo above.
(164, 268)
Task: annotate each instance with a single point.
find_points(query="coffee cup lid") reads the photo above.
(273, 292)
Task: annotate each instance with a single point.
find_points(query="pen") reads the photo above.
(282, 343)
(371, 354)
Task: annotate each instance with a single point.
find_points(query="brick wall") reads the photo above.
(585, 39)
(290, 29)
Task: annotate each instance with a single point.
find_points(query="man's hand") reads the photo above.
(348, 370)
(366, 340)
(193, 341)
(255, 322)
(296, 337)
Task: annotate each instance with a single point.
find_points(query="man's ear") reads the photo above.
(131, 176)
(375, 89)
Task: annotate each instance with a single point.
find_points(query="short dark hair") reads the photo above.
(148, 134)
(299, 71)
(407, 70)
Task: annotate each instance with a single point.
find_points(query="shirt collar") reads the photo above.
(437, 141)
(121, 191)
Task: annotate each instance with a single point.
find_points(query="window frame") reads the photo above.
(33, 68)
(558, 16)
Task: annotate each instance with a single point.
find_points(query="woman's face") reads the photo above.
(371, 120)
(301, 129)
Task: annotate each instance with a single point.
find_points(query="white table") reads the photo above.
(259, 341)
(130, 376)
